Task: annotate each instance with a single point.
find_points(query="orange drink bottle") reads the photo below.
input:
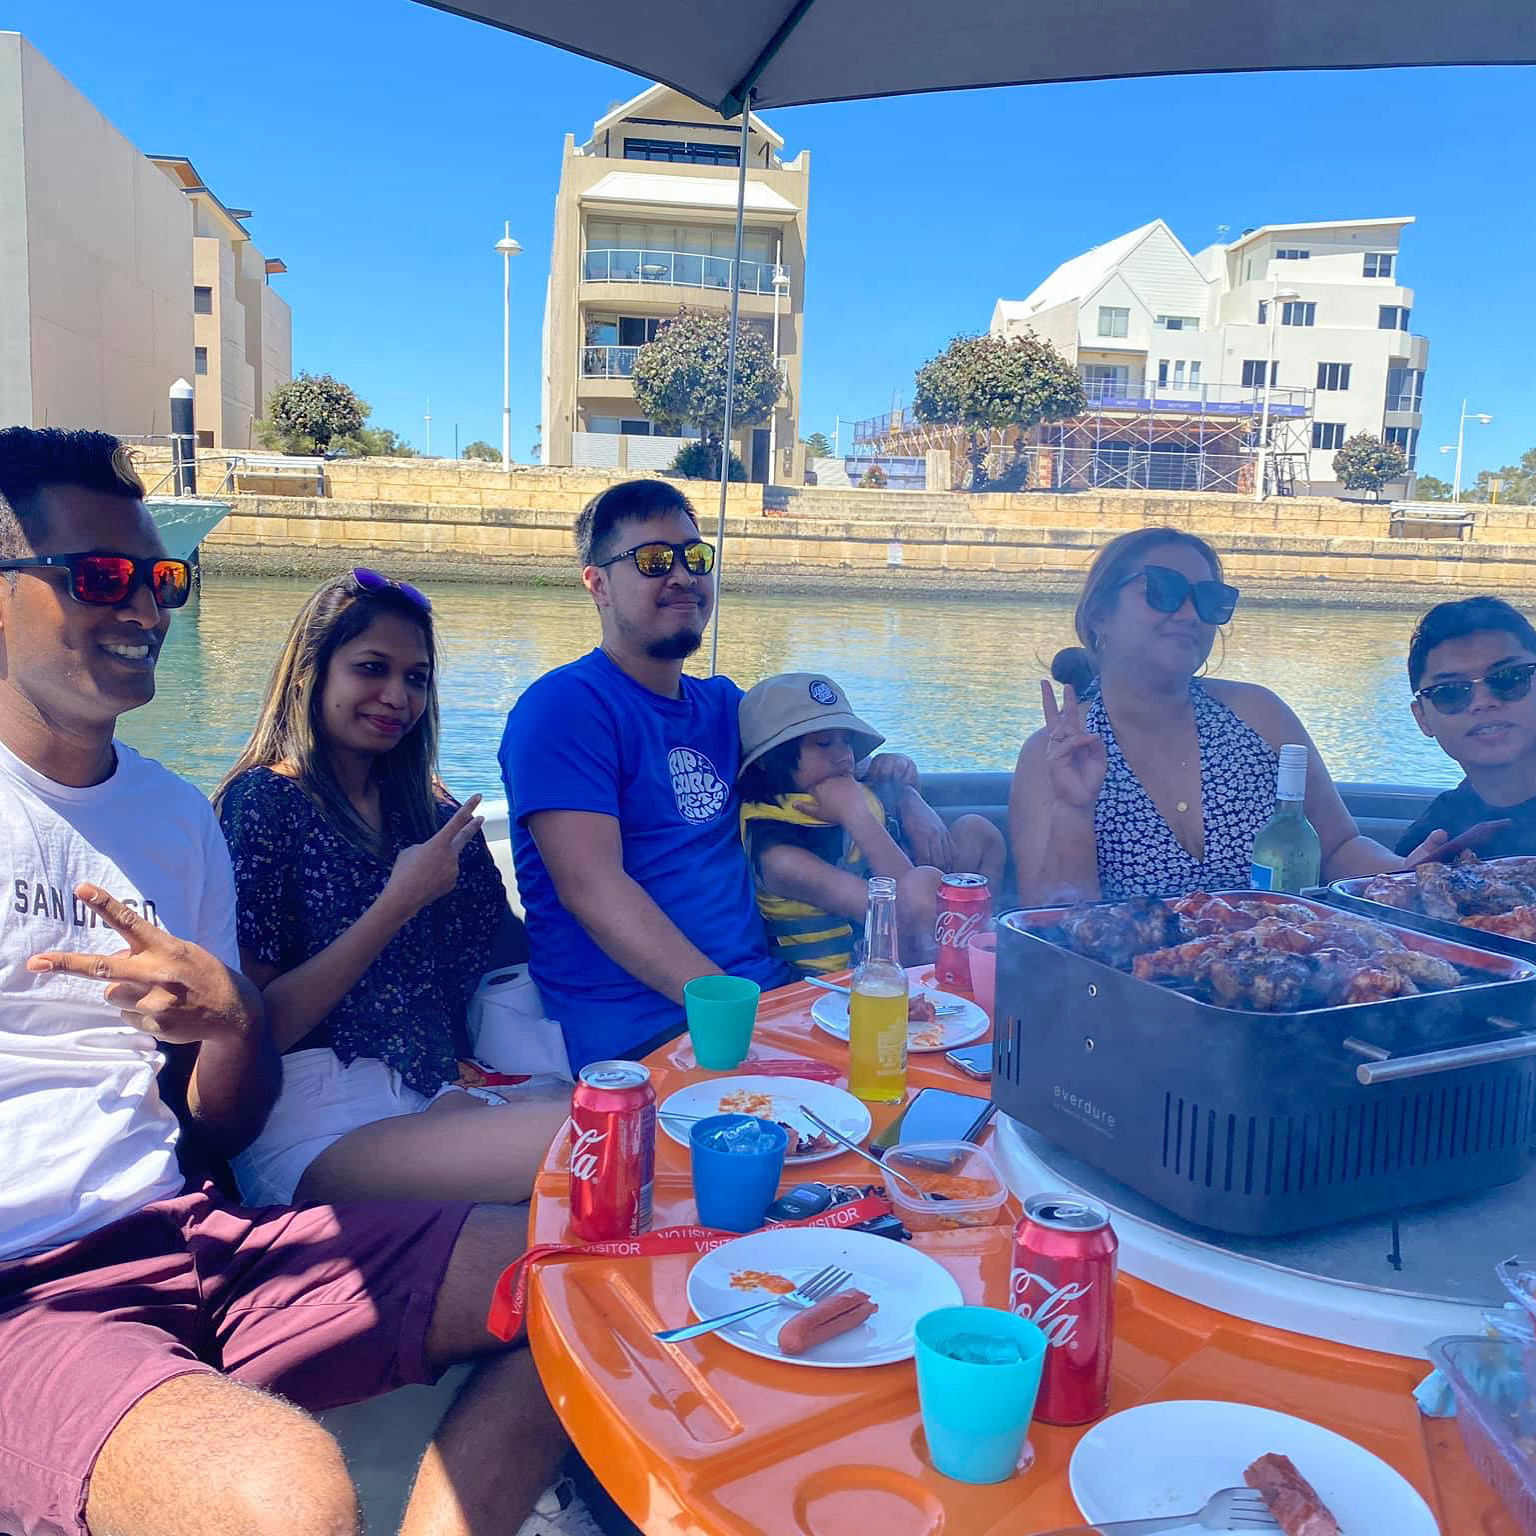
(877, 1008)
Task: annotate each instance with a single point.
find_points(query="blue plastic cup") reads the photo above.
(976, 1412)
(733, 1189)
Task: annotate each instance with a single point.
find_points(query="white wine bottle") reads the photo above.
(1286, 854)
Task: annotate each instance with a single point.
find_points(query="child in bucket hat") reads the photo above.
(814, 833)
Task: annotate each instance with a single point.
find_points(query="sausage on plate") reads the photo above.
(830, 1316)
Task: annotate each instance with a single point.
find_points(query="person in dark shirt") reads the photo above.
(368, 906)
(1471, 665)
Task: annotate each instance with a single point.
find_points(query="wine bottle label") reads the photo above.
(1262, 877)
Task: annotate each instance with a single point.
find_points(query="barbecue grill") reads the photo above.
(1266, 1123)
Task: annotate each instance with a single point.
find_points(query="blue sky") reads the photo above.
(381, 145)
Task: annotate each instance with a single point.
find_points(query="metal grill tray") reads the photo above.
(1349, 894)
(1264, 1123)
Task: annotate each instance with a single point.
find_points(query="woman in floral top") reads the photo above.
(368, 907)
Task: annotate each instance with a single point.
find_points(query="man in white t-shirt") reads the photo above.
(154, 1338)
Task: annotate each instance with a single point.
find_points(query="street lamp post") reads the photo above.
(1461, 432)
(780, 284)
(1261, 464)
(508, 248)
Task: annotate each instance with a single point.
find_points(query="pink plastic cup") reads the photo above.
(983, 953)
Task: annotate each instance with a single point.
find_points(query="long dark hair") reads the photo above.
(1120, 558)
(288, 729)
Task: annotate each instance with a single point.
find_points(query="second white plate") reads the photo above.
(830, 1012)
(1162, 1459)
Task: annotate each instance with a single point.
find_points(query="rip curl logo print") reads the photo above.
(823, 692)
(700, 792)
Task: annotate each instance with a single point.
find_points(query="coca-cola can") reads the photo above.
(613, 1150)
(965, 904)
(1063, 1281)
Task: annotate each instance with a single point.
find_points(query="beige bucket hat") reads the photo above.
(793, 704)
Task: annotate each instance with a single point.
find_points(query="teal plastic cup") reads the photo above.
(721, 1012)
(978, 1373)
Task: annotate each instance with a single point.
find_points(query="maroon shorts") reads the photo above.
(323, 1304)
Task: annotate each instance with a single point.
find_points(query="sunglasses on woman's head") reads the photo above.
(108, 581)
(372, 581)
(1168, 590)
(1506, 684)
(657, 558)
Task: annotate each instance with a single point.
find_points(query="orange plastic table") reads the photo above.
(704, 1439)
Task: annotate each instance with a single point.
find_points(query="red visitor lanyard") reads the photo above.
(510, 1303)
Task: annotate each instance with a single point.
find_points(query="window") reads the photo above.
(679, 153)
(1393, 317)
(1253, 373)
(205, 439)
(602, 424)
(1290, 253)
(202, 301)
(1378, 263)
(1405, 388)
(1327, 434)
(1178, 322)
(1162, 372)
(1406, 438)
(1263, 311)
(1178, 374)
(636, 330)
(1194, 374)
(1298, 312)
(1112, 321)
(200, 359)
(1333, 375)
(635, 428)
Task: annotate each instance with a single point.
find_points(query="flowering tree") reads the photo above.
(680, 377)
(1366, 463)
(986, 382)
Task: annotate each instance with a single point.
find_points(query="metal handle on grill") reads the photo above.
(1485, 1054)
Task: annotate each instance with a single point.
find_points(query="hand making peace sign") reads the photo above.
(175, 990)
(1075, 759)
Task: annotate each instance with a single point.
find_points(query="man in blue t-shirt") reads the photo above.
(621, 777)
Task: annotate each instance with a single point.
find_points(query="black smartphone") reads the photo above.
(974, 1060)
(936, 1114)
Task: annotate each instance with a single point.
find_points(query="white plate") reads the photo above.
(903, 1282)
(830, 1011)
(839, 1109)
(1168, 1458)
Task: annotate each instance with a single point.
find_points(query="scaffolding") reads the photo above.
(1134, 435)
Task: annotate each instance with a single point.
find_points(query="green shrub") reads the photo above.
(700, 461)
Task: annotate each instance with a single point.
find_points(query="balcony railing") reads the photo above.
(679, 269)
(608, 362)
(1143, 394)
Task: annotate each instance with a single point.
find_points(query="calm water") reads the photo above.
(954, 684)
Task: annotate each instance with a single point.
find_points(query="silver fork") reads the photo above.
(823, 1283)
(1233, 1509)
(942, 1011)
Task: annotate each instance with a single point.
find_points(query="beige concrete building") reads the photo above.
(644, 224)
(102, 256)
(243, 329)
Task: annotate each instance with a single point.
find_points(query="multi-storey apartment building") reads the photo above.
(1142, 317)
(645, 223)
(119, 275)
(242, 327)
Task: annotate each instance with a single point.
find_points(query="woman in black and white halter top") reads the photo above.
(1147, 779)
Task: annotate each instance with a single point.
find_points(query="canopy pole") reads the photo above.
(730, 379)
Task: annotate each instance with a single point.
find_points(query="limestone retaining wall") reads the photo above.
(312, 536)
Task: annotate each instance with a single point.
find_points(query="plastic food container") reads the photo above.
(1496, 1413)
(960, 1171)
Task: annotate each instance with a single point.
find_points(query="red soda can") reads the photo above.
(965, 904)
(613, 1150)
(1063, 1281)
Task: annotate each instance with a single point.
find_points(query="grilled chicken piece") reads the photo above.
(1373, 984)
(1205, 914)
(1427, 972)
(1398, 891)
(1437, 891)
(1279, 937)
(1114, 934)
(1264, 981)
(1468, 888)
(1182, 962)
(1519, 924)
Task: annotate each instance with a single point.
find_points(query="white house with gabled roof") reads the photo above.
(1141, 310)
